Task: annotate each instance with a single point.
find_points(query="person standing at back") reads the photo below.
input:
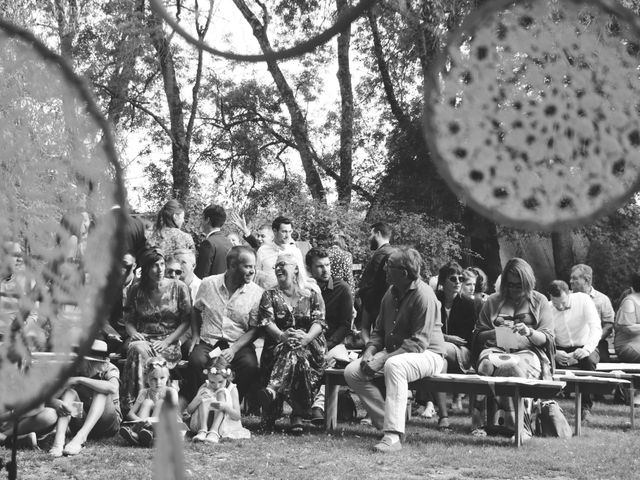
(212, 251)
(373, 283)
(268, 253)
(167, 235)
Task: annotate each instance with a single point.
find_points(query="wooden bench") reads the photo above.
(625, 367)
(585, 382)
(515, 387)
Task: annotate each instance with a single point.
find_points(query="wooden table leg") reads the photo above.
(330, 403)
(632, 406)
(518, 403)
(578, 410)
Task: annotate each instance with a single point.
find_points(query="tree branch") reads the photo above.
(142, 108)
(403, 119)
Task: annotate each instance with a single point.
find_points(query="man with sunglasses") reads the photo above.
(406, 344)
(187, 260)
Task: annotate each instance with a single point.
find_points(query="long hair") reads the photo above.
(166, 213)
(521, 269)
(300, 281)
(147, 258)
(449, 268)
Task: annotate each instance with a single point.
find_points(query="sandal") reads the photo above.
(212, 437)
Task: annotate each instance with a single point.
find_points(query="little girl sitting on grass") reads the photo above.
(215, 409)
(147, 406)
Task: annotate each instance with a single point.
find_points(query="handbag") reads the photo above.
(550, 421)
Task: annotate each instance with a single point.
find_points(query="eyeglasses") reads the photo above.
(456, 278)
(282, 265)
(514, 285)
(173, 272)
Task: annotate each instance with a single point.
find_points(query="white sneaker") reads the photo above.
(429, 411)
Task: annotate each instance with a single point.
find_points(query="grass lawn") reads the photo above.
(606, 449)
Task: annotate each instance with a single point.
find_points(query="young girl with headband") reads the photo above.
(147, 406)
(215, 409)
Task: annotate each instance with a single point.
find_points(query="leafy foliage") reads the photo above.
(614, 252)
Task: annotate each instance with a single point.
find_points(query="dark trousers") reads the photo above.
(603, 349)
(244, 366)
(587, 363)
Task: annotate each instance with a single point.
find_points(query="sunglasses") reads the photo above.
(172, 272)
(514, 285)
(456, 278)
(282, 265)
(127, 267)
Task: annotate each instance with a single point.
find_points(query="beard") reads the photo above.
(373, 244)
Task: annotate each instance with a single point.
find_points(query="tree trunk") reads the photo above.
(298, 121)
(562, 244)
(346, 114)
(179, 146)
(482, 236)
(412, 181)
(66, 13)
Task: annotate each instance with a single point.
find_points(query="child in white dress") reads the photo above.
(147, 406)
(215, 409)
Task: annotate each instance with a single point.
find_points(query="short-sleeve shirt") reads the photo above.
(159, 319)
(603, 306)
(226, 316)
(109, 373)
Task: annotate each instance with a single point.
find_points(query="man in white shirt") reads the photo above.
(268, 253)
(581, 281)
(222, 311)
(577, 331)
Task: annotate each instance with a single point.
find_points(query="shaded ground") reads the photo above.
(607, 449)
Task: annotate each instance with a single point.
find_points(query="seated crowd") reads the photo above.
(225, 323)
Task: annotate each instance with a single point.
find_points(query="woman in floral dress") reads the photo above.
(292, 362)
(167, 235)
(156, 314)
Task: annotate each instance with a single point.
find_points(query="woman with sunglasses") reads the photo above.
(292, 361)
(458, 317)
(519, 309)
(156, 314)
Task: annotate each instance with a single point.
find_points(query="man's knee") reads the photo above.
(352, 372)
(591, 362)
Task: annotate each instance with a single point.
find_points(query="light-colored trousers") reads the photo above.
(388, 413)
